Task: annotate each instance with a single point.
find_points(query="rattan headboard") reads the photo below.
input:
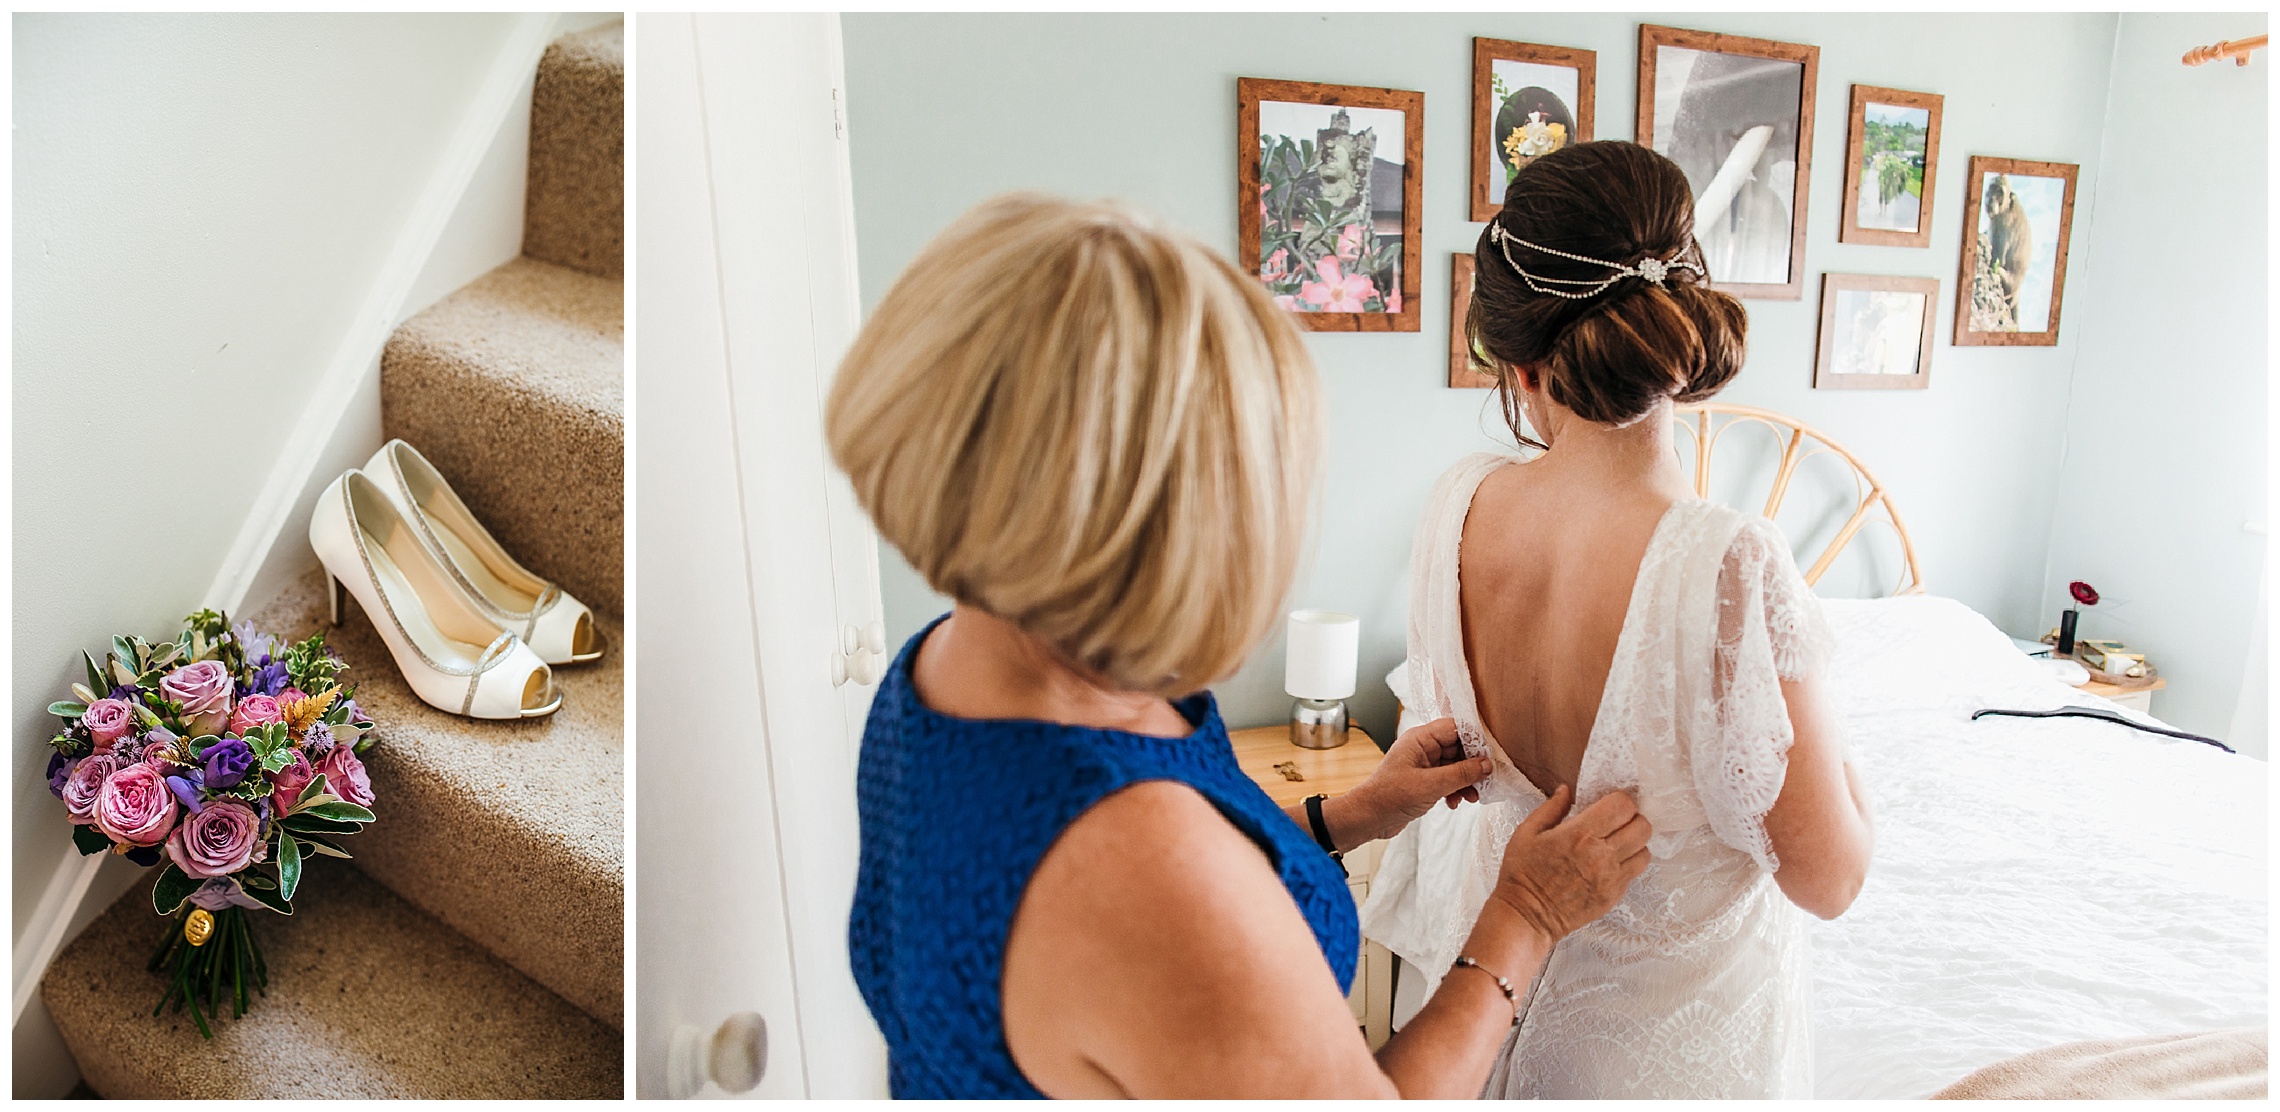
(1706, 422)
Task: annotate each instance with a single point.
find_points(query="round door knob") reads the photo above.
(866, 667)
(875, 636)
(734, 1057)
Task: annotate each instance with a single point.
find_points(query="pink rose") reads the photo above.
(345, 776)
(204, 691)
(289, 696)
(217, 841)
(255, 710)
(85, 784)
(135, 806)
(109, 720)
(289, 780)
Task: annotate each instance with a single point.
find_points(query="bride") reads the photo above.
(1588, 621)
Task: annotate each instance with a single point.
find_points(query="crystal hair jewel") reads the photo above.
(1652, 269)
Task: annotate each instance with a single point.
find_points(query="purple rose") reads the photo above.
(85, 785)
(288, 781)
(135, 806)
(108, 720)
(227, 762)
(204, 690)
(345, 776)
(217, 841)
(59, 772)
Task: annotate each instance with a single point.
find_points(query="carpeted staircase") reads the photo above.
(475, 948)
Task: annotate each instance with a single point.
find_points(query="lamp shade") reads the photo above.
(1319, 663)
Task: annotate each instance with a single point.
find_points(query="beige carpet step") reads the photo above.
(512, 833)
(574, 210)
(367, 998)
(514, 386)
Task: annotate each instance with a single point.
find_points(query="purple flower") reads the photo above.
(59, 772)
(356, 714)
(269, 678)
(222, 892)
(317, 740)
(217, 841)
(227, 762)
(253, 641)
(186, 789)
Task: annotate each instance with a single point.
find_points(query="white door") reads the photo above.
(756, 574)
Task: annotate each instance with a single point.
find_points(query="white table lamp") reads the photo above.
(1318, 669)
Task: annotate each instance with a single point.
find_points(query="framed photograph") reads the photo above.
(2018, 218)
(1528, 101)
(1328, 201)
(1462, 376)
(1876, 332)
(1892, 154)
(1737, 115)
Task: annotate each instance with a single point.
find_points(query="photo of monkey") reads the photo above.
(2014, 260)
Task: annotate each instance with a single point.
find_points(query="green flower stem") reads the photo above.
(208, 978)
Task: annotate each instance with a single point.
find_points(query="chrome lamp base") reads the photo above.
(1318, 724)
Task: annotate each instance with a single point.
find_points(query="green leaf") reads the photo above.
(94, 671)
(124, 647)
(311, 824)
(198, 744)
(124, 676)
(67, 709)
(309, 795)
(89, 840)
(256, 880)
(268, 897)
(173, 887)
(278, 758)
(340, 811)
(311, 843)
(288, 865)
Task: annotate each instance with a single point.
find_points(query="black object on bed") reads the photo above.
(2100, 713)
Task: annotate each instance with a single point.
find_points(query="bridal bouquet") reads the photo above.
(225, 758)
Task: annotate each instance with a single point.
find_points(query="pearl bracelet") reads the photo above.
(1502, 985)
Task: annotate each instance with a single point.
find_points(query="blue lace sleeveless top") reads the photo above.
(956, 814)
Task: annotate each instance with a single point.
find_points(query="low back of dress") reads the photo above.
(1697, 984)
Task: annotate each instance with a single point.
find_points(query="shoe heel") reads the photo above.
(332, 591)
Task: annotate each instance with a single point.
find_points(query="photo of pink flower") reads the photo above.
(1337, 291)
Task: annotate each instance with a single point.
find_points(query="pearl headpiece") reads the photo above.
(1652, 269)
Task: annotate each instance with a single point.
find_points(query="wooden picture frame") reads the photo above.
(1488, 172)
(1462, 376)
(1849, 228)
(1742, 263)
(1971, 327)
(1294, 188)
(1860, 324)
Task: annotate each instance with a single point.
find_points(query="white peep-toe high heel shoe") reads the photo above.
(453, 655)
(558, 627)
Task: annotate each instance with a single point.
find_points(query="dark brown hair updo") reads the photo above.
(1611, 356)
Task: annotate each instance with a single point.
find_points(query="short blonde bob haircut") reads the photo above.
(1092, 427)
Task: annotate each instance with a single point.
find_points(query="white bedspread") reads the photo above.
(2036, 881)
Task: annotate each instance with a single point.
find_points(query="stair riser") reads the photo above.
(574, 212)
(546, 477)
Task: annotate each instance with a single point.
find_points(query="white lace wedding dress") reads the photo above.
(1698, 983)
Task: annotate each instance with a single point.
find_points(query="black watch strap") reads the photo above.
(1322, 831)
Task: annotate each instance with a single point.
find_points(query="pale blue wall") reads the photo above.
(2166, 431)
(948, 109)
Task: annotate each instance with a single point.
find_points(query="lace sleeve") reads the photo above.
(1770, 629)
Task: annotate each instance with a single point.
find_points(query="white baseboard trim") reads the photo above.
(312, 441)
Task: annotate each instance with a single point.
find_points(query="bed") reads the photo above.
(2036, 881)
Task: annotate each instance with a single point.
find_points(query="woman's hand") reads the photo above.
(1560, 875)
(1425, 766)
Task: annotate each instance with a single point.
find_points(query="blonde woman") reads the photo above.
(1100, 440)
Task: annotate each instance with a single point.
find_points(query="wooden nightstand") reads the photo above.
(1330, 772)
(2139, 699)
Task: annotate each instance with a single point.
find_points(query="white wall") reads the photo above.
(947, 110)
(2166, 429)
(201, 205)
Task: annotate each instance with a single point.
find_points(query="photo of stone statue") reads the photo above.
(1330, 206)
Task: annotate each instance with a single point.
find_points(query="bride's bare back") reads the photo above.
(1550, 551)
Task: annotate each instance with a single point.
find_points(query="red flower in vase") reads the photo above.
(2083, 593)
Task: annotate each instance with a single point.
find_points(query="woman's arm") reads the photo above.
(1424, 766)
(1820, 825)
(1156, 954)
